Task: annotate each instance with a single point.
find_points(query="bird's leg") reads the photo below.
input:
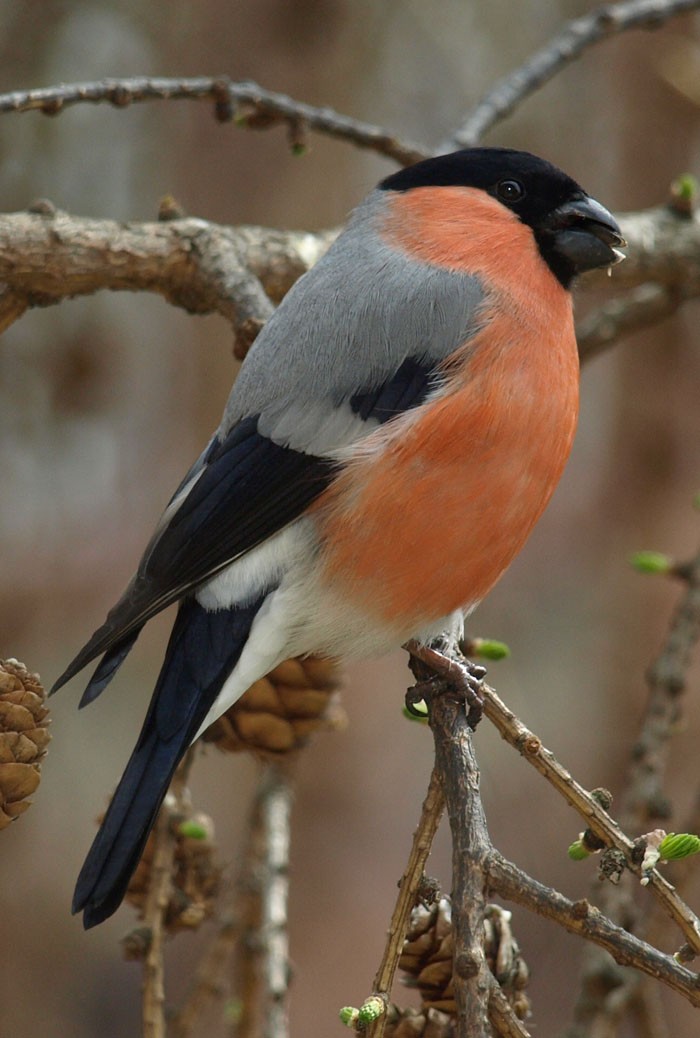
(441, 673)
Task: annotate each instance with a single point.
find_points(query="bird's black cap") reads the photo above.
(541, 195)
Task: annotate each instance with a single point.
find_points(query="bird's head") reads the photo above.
(573, 231)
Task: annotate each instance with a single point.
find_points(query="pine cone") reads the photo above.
(427, 962)
(196, 876)
(24, 737)
(414, 1023)
(279, 712)
(427, 956)
(505, 961)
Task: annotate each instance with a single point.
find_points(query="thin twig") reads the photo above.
(157, 898)
(584, 919)
(409, 885)
(642, 307)
(567, 45)
(153, 979)
(263, 961)
(543, 760)
(246, 103)
(501, 1016)
(644, 801)
(274, 806)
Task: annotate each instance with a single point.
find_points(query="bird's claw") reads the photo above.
(422, 692)
(460, 677)
(472, 679)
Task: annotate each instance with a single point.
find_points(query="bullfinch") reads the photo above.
(393, 436)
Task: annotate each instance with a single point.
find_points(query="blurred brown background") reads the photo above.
(104, 402)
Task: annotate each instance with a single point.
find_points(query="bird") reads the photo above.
(394, 434)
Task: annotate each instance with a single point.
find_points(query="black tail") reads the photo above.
(204, 648)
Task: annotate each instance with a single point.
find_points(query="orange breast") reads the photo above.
(433, 506)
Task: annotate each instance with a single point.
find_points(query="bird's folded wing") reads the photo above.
(244, 489)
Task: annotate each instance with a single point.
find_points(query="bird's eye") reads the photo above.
(510, 190)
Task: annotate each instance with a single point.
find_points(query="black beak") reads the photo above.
(584, 235)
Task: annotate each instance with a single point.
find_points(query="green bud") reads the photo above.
(696, 501)
(233, 1011)
(489, 648)
(651, 562)
(299, 149)
(679, 845)
(686, 187)
(577, 851)
(348, 1015)
(371, 1009)
(192, 830)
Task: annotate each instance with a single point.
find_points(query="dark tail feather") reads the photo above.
(119, 844)
(204, 648)
(108, 667)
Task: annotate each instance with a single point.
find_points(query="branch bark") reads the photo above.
(244, 103)
(48, 255)
(409, 885)
(471, 846)
(582, 918)
(153, 984)
(597, 819)
(604, 998)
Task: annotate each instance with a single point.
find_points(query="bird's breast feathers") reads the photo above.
(458, 485)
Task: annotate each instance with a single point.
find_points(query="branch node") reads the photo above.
(529, 744)
(53, 106)
(580, 909)
(42, 207)
(170, 209)
(136, 943)
(120, 96)
(468, 964)
(223, 105)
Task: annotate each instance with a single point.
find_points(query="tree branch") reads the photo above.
(47, 255)
(643, 803)
(409, 885)
(661, 273)
(153, 1006)
(582, 918)
(642, 307)
(459, 774)
(246, 103)
(266, 944)
(597, 819)
(566, 46)
(644, 800)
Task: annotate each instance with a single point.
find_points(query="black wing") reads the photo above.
(243, 489)
(248, 489)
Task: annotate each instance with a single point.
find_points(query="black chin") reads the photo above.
(576, 250)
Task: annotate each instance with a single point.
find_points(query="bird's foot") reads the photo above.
(450, 674)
